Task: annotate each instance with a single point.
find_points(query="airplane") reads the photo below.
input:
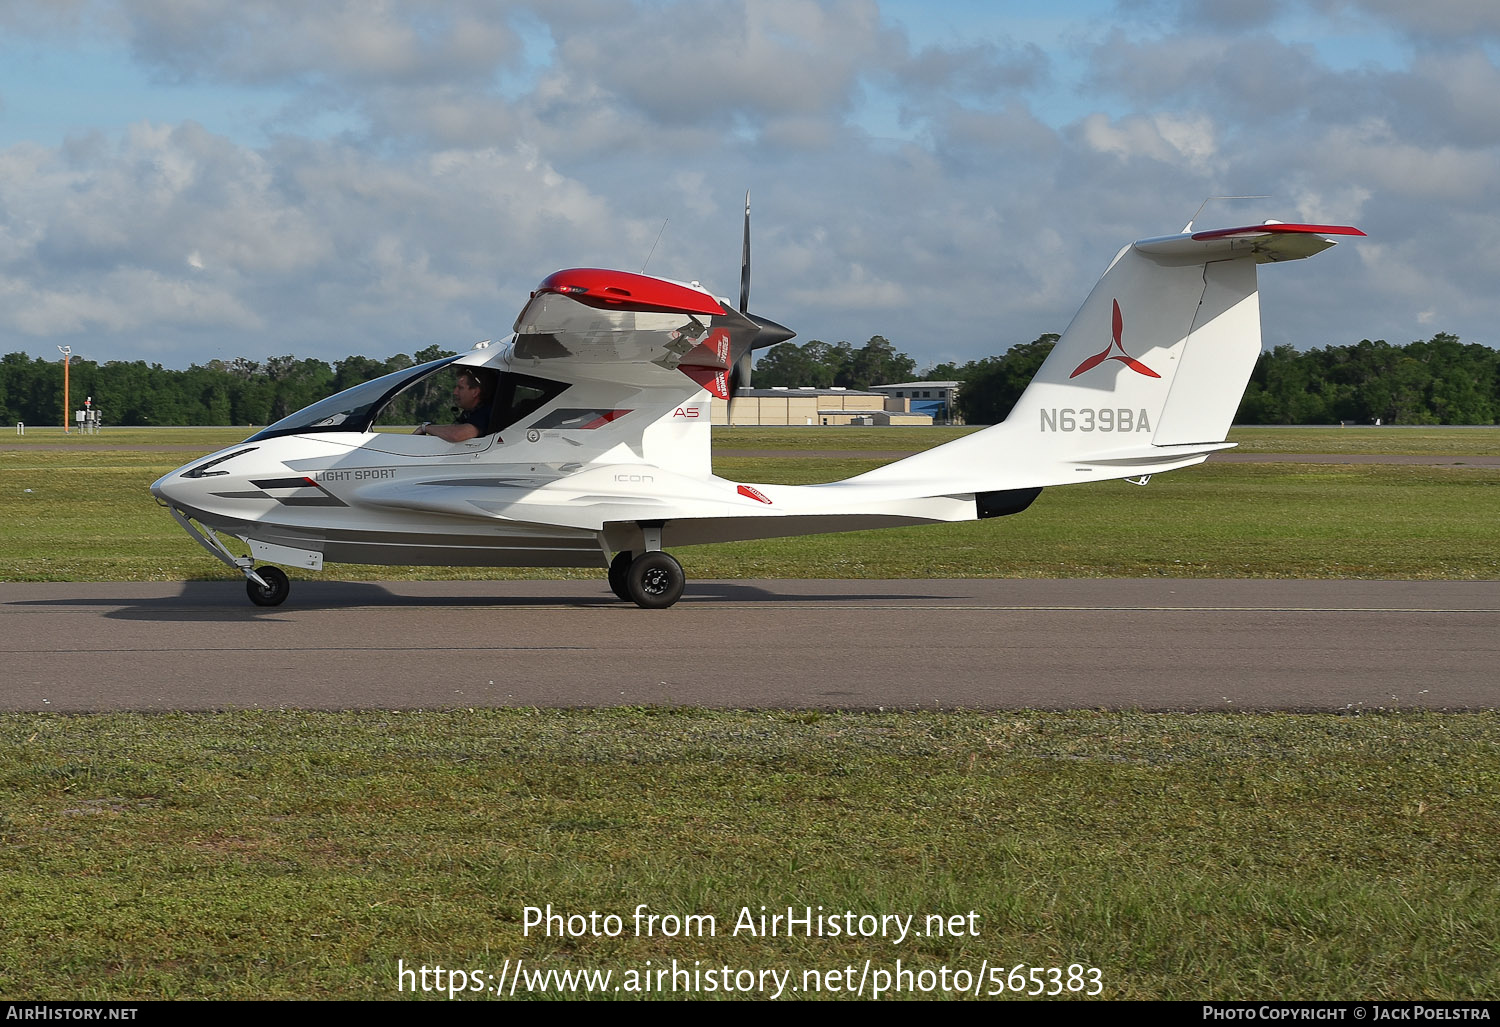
(598, 449)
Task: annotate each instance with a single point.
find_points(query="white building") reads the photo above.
(810, 406)
(933, 398)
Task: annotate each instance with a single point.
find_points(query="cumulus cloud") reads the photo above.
(1253, 79)
(1227, 15)
(1432, 19)
(311, 242)
(482, 145)
(981, 69)
(1392, 167)
(1172, 139)
(261, 41)
(693, 62)
(856, 288)
(1450, 97)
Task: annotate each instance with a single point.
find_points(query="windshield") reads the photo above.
(353, 409)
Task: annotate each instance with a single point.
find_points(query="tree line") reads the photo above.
(1437, 381)
(238, 391)
(821, 366)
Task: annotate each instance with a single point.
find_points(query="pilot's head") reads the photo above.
(474, 389)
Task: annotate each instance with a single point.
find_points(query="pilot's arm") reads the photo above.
(449, 432)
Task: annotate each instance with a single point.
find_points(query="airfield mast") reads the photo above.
(67, 352)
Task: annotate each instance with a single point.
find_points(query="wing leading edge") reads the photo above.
(612, 319)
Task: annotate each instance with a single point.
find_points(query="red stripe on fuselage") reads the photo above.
(604, 418)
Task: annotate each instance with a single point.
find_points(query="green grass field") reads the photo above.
(80, 510)
(1251, 439)
(287, 854)
(293, 855)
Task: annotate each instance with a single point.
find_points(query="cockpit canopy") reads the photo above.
(360, 408)
(353, 409)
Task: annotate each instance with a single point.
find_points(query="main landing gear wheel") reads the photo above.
(280, 588)
(655, 580)
(619, 568)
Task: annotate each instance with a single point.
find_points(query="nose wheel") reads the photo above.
(653, 581)
(275, 590)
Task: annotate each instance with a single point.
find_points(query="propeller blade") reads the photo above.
(739, 376)
(768, 332)
(745, 261)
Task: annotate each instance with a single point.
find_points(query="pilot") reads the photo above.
(474, 393)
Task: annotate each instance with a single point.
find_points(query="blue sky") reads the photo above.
(183, 181)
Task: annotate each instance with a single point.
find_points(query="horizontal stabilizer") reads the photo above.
(1153, 455)
(1265, 244)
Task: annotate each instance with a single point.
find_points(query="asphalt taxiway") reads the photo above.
(979, 644)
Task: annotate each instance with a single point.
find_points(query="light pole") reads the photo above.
(67, 352)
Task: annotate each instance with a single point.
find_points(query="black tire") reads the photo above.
(655, 581)
(619, 570)
(280, 588)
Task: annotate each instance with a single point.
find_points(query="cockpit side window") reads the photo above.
(519, 395)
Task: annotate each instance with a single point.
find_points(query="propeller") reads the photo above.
(768, 333)
(745, 261)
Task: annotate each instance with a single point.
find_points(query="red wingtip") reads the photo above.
(1274, 229)
(622, 290)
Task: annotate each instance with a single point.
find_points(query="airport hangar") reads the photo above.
(884, 405)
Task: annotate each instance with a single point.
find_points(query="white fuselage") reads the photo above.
(599, 441)
(552, 490)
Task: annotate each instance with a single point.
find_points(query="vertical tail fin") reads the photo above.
(1147, 377)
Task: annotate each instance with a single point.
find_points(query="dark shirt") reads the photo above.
(479, 417)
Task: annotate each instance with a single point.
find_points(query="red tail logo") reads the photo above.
(1108, 353)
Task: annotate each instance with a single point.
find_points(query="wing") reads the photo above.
(615, 326)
